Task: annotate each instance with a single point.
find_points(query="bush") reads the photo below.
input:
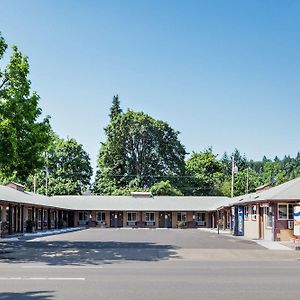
(61, 224)
(29, 226)
(181, 225)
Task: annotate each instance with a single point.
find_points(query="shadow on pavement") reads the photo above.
(42, 295)
(83, 253)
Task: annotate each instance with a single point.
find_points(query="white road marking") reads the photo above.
(62, 267)
(44, 278)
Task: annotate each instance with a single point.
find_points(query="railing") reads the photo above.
(131, 223)
(201, 223)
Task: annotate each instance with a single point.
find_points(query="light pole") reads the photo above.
(234, 170)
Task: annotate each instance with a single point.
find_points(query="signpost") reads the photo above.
(297, 220)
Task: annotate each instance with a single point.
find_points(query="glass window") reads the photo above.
(246, 212)
(131, 216)
(29, 213)
(291, 211)
(181, 216)
(100, 216)
(201, 217)
(150, 217)
(282, 211)
(7, 215)
(253, 212)
(83, 216)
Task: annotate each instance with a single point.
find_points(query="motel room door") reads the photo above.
(116, 219)
(165, 219)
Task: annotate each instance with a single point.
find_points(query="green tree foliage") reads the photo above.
(165, 188)
(138, 152)
(115, 109)
(23, 138)
(205, 173)
(68, 167)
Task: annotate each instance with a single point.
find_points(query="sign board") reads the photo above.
(232, 219)
(264, 204)
(240, 228)
(297, 220)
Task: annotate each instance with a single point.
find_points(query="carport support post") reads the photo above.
(10, 218)
(49, 218)
(42, 219)
(218, 224)
(22, 218)
(141, 219)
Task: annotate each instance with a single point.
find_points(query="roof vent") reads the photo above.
(263, 187)
(16, 186)
(141, 194)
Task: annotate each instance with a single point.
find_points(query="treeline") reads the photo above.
(144, 154)
(138, 154)
(30, 152)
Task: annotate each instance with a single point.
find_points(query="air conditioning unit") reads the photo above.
(290, 224)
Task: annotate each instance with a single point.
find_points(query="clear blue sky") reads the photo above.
(224, 73)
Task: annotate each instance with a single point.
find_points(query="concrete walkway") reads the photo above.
(38, 234)
(271, 245)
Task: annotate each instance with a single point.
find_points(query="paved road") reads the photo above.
(145, 264)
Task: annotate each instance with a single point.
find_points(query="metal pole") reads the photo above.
(46, 185)
(247, 181)
(232, 175)
(34, 183)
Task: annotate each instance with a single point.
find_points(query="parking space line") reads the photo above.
(62, 267)
(44, 278)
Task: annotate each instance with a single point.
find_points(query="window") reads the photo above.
(269, 216)
(83, 216)
(201, 217)
(181, 216)
(246, 212)
(131, 216)
(100, 216)
(228, 215)
(286, 211)
(150, 217)
(0, 213)
(30, 214)
(291, 211)
(7, 215)
(253, 212)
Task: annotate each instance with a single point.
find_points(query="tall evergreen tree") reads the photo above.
(115, 109)
(138, 152)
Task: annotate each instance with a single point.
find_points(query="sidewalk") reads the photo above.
(21, 236)
(271, 245)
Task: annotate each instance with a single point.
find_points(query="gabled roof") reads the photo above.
(128, 203)
(125, 203)
(288, 191)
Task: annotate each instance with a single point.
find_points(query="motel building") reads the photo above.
(266, 214)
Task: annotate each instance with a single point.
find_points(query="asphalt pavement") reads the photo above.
(145, 264)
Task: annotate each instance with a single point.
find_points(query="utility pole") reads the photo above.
(232, 175)
(247, 181)
(34, 183)
(46, 179)
(234, 170)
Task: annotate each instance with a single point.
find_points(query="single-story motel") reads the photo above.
(266, 214)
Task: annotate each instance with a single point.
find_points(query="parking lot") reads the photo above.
(149, 264)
